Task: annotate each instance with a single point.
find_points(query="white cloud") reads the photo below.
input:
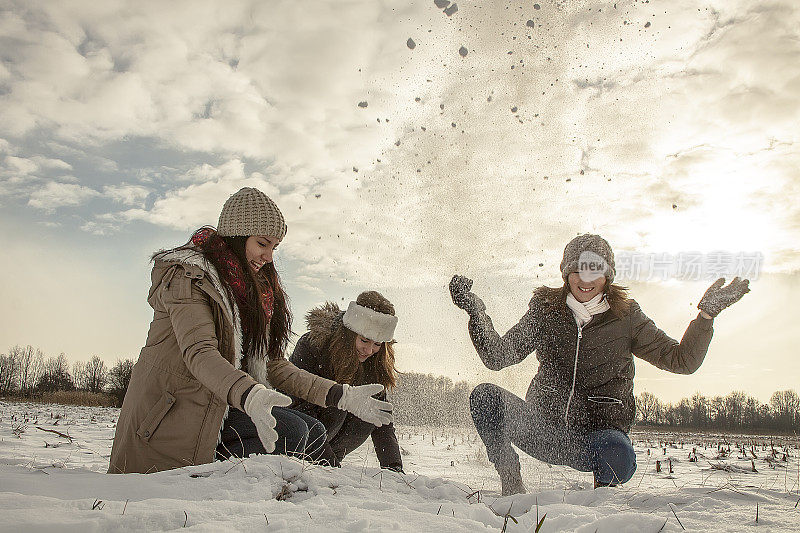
(51, 163)
(594, 91)
(19, 166)
(129, 195)
(199, 204)
(54, 195)
(99, 228)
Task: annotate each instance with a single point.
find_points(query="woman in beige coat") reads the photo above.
(199, 389)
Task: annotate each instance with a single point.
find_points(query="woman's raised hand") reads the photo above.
(460, 293)
(718, 297)
(359, 401)
(258, 406)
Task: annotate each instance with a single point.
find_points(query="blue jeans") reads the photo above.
(502, 418)
(298, 434)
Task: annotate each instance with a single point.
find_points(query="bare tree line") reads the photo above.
(425, 399)
(736, 411)
(26, 372)
(419, 399)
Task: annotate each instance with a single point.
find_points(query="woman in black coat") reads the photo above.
(353, 348)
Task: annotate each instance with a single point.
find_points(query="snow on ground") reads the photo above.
(48, 482)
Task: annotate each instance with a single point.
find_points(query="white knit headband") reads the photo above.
(368, 323)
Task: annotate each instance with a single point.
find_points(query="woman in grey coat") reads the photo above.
(580, 406)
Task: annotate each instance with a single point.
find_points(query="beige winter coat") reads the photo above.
(188, 372)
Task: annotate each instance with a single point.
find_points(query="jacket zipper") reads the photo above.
(574, 371)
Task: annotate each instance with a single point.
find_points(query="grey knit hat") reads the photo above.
(250, 212)
(590, 251)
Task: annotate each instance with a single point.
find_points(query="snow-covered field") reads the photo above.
(49, 482)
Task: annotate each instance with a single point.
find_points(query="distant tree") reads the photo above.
(79, 375)
(669, 416)
(750, 417)
(461, 392)
(9, 370)
(55, 375)
(647, 405)
(700, 416)
(786, 408)
(119, 377)
(95, 375)
(719, 417)
(736, 411)
(683, 413)
(765, 417)
(425, 399)
(734, 408)
(31, 361)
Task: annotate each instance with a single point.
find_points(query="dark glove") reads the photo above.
(460, 293)
(395, 467)
(718, 297)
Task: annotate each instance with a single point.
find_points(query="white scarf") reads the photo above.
(583, 312)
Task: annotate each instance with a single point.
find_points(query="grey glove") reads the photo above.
(718, 297)
(460, 293)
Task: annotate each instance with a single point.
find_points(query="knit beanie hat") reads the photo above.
(588, 252)
(250, 212)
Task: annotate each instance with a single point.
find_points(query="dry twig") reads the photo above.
(676, 516)
(63, 435)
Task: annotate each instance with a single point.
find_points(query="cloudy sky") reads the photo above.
(404, 143)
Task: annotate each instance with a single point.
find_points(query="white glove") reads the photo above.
(258, 406)
(359, 401)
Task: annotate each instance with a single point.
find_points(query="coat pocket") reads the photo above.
(609, 411)
(155, 416)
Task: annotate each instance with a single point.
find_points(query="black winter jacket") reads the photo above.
(346, 432)
(599, 356)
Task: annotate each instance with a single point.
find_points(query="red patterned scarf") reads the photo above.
(232, 271)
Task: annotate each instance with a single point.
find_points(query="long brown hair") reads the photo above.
(260, 337)
(280, 326)
(343, 364)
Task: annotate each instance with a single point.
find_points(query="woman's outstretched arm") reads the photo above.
(659, 349)
(299, 376)
(495, 351)
(685, 357)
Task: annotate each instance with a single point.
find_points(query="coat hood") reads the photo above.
(193, 258)
(323, 322)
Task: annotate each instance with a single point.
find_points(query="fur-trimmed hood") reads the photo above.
(322, 323)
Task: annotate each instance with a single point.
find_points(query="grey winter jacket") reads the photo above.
(596, 360)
